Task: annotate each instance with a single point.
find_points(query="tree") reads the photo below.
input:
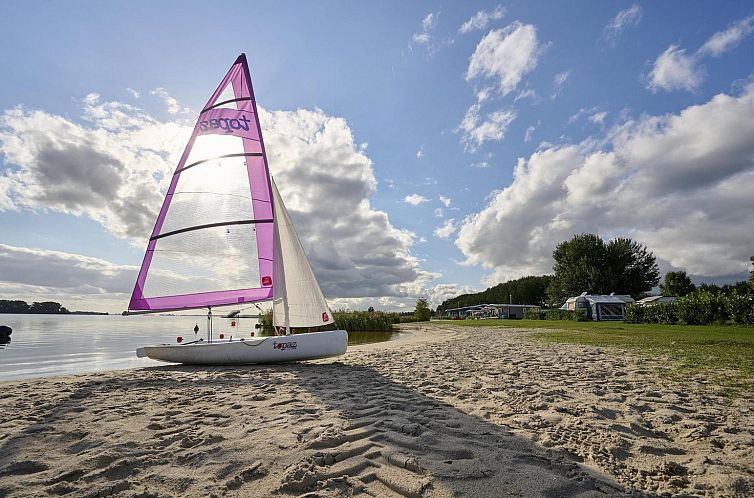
(677, 283)
(371, 309)
(586, 263)
(751, 277)
(47, 308)
(422, 313)
(525, 290)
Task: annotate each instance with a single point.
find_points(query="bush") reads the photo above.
(702, 308)
(664, 313)
(740, 308)
(555, 314)
(356, 321)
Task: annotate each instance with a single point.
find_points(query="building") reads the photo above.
(653, 300)
(486, 311)
(599, 307)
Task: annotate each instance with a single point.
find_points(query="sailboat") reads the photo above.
(223, 237)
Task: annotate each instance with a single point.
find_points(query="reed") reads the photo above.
(354, 321)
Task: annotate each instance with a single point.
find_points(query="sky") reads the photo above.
(424, 149)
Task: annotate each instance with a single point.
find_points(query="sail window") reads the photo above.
(204, 260)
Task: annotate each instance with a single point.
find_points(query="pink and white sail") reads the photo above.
(223, 235)
(212, 243)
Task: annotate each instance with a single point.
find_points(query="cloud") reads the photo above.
(446, 201)
(440, 292)
(505, 55)
(481, 19)
(420, 152)
(581, 113)
(134, 93)
(116, 167)
(476, 132)
(77, 282)
(446, 230)
(415, 199)
(172, 104)
(667, 181)
(423, 38)
(481, 165)
(674, 70)
(113, 172)
(529, 133)
(624, 19)
(558, 81)
(722, 41)
(598, 118)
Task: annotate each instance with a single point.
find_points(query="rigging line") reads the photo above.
(210, 225)
(238, 154)
(214, 106)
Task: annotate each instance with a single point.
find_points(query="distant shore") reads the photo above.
(444, 411)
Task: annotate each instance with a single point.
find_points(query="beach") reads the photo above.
(441, 412)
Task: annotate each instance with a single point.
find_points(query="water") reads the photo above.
(44, 345)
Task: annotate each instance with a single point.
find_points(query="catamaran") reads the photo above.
(224, 238)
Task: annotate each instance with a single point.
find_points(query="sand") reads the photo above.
(442, 412)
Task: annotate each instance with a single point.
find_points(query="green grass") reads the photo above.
(723, 355)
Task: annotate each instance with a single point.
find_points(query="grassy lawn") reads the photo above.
(722, 354)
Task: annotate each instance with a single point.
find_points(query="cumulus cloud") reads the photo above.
(440, 292)
(446, 201)
(116, 168)
(505, 55)
(112, 171)
(679, 183)
(134, 93)
(415, 199)
(623, 20)
(476, 131)
(446, 229)
(481, 19)
(674, 69)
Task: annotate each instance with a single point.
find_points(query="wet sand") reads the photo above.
(442, 412)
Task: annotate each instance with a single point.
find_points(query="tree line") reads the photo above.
(587, 263)
(43, 308)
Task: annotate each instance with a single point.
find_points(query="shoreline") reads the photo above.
(441, 411)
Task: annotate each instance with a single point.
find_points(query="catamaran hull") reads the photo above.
(277, 349)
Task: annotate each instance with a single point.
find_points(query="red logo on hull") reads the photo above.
(325, 317)
(266, 280)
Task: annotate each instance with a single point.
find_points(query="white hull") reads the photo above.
(274, 349)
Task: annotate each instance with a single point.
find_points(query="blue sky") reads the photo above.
(480, 134)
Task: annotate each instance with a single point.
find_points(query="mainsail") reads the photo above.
(212, 243)
(298, 300)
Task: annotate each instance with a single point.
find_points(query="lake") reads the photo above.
(44, 345)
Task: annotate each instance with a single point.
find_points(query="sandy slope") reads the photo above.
(442, 412)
